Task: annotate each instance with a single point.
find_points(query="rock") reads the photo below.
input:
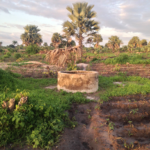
(11, 104)
(4, 105)
(82, 66)
(23, 100)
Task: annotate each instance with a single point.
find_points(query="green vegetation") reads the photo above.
(32, 49)
(132, 85)
(7, 55)
(31, 35)
(131, 59)
(42, 119)
(17, 55)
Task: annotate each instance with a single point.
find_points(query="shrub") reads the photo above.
(17, 55)
(32, 49)
(1, 50)
(8, 54)
(11, 50)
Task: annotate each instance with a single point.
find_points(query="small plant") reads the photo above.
(19, 59)
(130, 122)
(134, 111)
(89, 116)
(71, 64)
(128, 146)
(129, 133)
(117, 68)
(111, 125)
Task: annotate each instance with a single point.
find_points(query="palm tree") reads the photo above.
(114, 43)
(135, 42)
(56, 39)
(97, 39)
(143, 43)
(31, 35)
(1, 44)
(14, 42)
(45, 44)
(81, 23)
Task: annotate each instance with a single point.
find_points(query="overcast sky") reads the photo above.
(124, 18)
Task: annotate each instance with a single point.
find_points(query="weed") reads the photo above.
(111, 125)
(134, 111)
(129, 133)
(128, 146)
(89, 116)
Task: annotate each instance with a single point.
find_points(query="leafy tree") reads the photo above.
(14, 42)
(31, 35)
(45, 44)
(143, 42)
(134, 42)
(56, 39)
(81, 24)
(66, 41)
(114, 43)
(1, 45)
(97, 39)
(11, 46)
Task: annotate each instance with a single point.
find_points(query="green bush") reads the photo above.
(39, 122)
(7, 55)
(11, 50)
(32, 49)
(17, 55)
(124, 58)
(1, 50)
(121, 59)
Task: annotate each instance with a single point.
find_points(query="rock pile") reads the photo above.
(11, 104)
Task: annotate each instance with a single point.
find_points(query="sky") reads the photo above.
(123, 18)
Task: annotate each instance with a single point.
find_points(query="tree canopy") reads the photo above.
(14, 42)
(134, 42)
(143, 42)
(31, 35)
(56, 39)
(114, 43)
(97, 39)
(45, 44)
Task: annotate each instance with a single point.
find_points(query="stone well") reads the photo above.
(78, 81)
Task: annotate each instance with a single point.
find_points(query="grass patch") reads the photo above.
(42, 119)
(124, 58)
(19, 63)
(132, 85)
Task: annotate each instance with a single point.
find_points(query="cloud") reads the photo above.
(124, 18)
(4, 10)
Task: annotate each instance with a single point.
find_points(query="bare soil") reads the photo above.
(131, 69)
(120, 124)
(33, 69)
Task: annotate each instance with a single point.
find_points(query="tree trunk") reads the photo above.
(80, 44)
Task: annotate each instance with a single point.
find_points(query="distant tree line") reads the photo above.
(81, 26)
